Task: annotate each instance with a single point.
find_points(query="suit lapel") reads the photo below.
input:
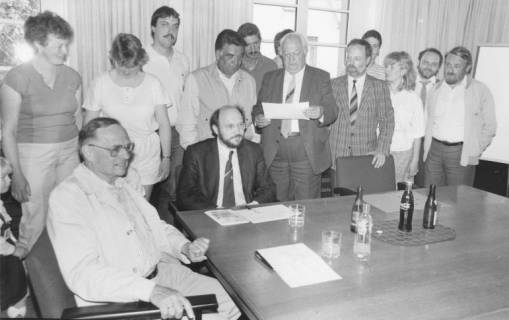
(366, 91)
(212, 165)
(243, 157)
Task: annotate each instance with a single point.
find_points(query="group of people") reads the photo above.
(153, 131)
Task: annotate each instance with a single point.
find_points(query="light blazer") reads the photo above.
(480, 121)
(198, 183)
(375, 110)
(317, 90)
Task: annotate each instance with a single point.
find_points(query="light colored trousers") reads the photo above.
(402, 165)
(44, 165)
(181, 278)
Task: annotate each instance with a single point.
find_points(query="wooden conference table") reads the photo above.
(467, 277)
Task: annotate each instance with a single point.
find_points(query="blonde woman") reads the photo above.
(408, 114)
(138, 101)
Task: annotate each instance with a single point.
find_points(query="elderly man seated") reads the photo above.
(111, 245)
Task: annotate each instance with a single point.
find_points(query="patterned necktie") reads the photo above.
(424, 83)
(353, 104)
(286, 124)
(228, 193)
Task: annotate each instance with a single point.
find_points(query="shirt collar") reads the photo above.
(91, 182)
(297, 75)
(359, 80)
(223, 77)
(223, 149)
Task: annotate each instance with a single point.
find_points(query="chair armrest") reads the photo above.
(137, 310)
(340, 191)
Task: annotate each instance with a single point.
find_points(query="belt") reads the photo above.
(294, 134)
(152, 275)
(449, 144)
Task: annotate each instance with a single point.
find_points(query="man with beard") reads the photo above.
(253, 61)
(364, 106)
(171, 67)
(430, 61)
(296, 150)
(461, 123)
(209, 88)
(111, 245)
(225, 171)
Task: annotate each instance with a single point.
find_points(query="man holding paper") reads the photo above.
(296, 144)
(225, 171)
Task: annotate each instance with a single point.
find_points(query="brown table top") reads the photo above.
(467, 277)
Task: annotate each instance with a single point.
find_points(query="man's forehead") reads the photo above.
(430, 56)
(454, 59)
(230, 115)
(292, 44)
(355, 49)
(169, 20)
(113, 134)
(231, 48)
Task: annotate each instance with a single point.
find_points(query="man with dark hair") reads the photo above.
(430, 61)
(171, 67)
(209, 88)
(461, 123)
(225, 171)
(111, 245)
(253, 61)
(374, 38)
(364, 107)
(277, 46)
(296, 150)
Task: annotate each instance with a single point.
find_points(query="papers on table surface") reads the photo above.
(285, 110)
(298, 265)
(389, 202)
(228, 217)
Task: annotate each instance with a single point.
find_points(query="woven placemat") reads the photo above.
(387, 231)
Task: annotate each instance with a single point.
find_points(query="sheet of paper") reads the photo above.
(285, 110)
(298, 265)
(265, 214)
(226, 217)
(389, 202)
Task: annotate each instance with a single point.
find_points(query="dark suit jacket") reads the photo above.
(375, 110)
(316, 89)
(198, 183)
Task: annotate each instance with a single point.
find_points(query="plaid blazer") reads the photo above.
(375, 111)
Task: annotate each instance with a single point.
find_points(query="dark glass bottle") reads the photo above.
(406, 209)
(356, 210)
(429, 217)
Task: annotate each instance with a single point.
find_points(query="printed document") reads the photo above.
(285, 110)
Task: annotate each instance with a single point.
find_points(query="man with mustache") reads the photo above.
(461, 123)
(430, 61)
(171, 67)
(253, 61)
(111, 245)
(211, 87)
(364, 105)
(225, 171)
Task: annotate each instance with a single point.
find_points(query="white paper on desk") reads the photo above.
(265, 214)
(285, 110)
(226, 217)
(389, 202)
(298, 265)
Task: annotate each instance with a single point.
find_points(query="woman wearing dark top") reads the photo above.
(40, 106)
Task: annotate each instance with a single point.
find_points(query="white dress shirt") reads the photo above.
(296, 95)
(108, 238)
(429, 85)
(449, 116)
(229, 83)
(408, 119)
(224, 154)
(172, 73)
(359, 86)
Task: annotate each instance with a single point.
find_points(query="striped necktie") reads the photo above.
(286, 124)
(353, 104)
(228, 192)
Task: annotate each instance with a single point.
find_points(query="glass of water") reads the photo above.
(297, 215)
(331, 244)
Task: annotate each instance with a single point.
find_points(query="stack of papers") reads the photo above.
(285, 110)
(228, 217)
(298, 265)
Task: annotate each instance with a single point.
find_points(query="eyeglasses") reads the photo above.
(115, 150)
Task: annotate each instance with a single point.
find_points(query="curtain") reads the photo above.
(97, 22)
(412, 25)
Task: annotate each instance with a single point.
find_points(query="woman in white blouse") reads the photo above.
(138, 101)
(408, 114)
